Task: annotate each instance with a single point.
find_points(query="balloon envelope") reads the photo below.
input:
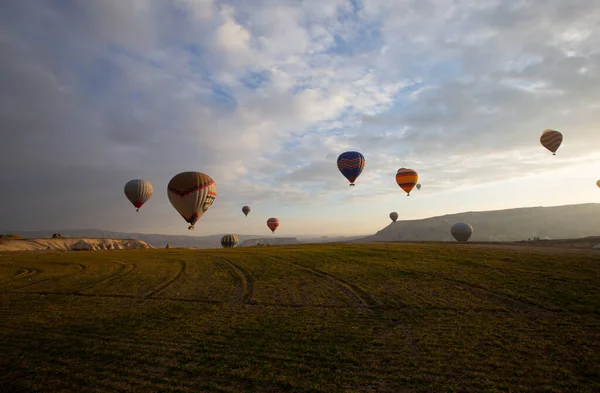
(551, 140)
(407, 179)
(394, 216)
(246, 210)
(418, 186)
(273, 224)
(138, 192)
(351, 164)
(598, 183)
(191, 194)
(229, 241)
(461, 231)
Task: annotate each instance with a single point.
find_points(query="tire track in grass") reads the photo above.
(21, 273)
(258, 304)
(82, 268)
(124, 269)
(512, 302)
(120, 296)
(25, 272)
(359, 297)
(150, 292)
(244, 289)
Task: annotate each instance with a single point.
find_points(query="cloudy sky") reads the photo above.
(263, 95)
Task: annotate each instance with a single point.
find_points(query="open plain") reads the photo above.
(308, 318)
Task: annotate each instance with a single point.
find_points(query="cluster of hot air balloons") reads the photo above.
(352, 163)
(192, 193)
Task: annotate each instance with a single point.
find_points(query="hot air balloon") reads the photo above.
(551, 140)
(418, 186)
(246, 210)
(191, 194)
(351, 164)
(273, 223)
(461, 231)
(138, 192)
(407, 179)
(598, 183)
(394, 216)
(229, 241)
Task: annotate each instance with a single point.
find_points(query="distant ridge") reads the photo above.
(156, 240)
(553, 222)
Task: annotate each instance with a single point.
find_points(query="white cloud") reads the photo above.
(264, 97)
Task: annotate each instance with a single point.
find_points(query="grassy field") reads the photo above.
(321, 318)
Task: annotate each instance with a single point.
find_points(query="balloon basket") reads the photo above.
(352, 185)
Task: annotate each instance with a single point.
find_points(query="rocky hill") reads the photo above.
(71, 244)
(556, 222)
(156, 240)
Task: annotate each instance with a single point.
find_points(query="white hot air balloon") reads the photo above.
(138, 192)
(191, 194)
(461, 231)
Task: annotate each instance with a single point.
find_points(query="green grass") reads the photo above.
(323, 318)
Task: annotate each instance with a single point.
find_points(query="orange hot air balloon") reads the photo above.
(273, 224)
(551, 140)
(407, 179)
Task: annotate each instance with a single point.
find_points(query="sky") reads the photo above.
(263, 96)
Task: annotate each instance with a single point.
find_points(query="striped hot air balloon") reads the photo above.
(246, 210)
(229, 241)
(351, 164)
(138, 192)
(191, 194)
(273, 224)
(394, 216)
(407, 179)
(551, 140)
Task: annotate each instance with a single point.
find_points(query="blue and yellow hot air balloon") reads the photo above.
(551, 140)
(407, 179)
(351, 164)
(229, 241)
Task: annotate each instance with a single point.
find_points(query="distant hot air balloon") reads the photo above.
(191, 194)
(418, 186)
(407, 179)
(229, 241)
(394, 216)
(273, 223)
(598, 183)
(138, 192)
(351, 164)
(551, 140)
(461, 231)
(246, 210)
